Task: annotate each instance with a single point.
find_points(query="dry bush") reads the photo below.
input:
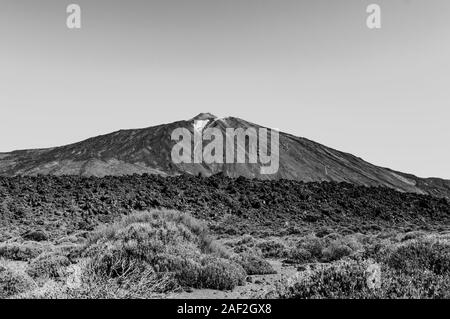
(133, 284)
(313, 245)
(272, 249)
(417, 284)
(165, 223)
(222, 274)
(341, 279)
(13, 282)
(254, 265)
(166, 242)
(418, 268)
(421, 255)
(21, 250)
(71, 250)
(336, 250)
(299, 255)
(330, 248)
(48, 265)
(244, 244)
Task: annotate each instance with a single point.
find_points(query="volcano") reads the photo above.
(148, 150)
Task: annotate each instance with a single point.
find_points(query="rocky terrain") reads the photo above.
(66, 204)
(148, 236)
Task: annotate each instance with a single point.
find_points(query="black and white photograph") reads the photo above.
(229, 150)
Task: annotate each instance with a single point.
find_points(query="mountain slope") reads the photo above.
(148, 150)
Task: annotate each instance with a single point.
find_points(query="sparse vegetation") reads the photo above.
(219, 273)
(13, 281)
(330, 248)
(67, 237)
(272, 249)
(21, 250)
(428, 254)
(416, 268)
(87, 283)
(254, 265)
(150, 254)
(48, 265)
(342, 279)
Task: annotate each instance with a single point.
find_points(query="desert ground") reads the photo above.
(217, 237)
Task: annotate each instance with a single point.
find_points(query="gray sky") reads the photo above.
(311, 68)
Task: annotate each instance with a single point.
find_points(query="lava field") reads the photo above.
(63, 205)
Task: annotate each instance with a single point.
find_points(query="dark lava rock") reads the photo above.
(227, 205)
(301, 268)
(35, 235)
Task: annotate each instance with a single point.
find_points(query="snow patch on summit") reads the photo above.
(199, 125)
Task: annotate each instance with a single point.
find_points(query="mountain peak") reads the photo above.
(149, 150)
(204, 116)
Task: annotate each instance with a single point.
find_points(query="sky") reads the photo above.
(310, 68)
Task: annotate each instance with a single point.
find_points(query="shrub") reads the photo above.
(299, 255)
(379, 250)
(166, 242)
(164, 224)
(21, 251)
(222, 274)
(134, 284)
(313, 245)
(421, 255)
(13, 282)
(49, 265)
(72, 251)
(243, 245)
(414, 269)
(342, 279)
(254, 265)
(416, 284)
(48, 290)
(326, 249)
(308, 249)
(247, 240)
(335, 251)
(272, 249)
